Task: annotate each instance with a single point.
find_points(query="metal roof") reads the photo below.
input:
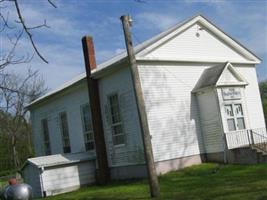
(110, 62)
(122, 56)
(59, 159)
(210, 76)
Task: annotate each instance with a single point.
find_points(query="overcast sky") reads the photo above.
(246, 21)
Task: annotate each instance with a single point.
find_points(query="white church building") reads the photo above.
(201, 98)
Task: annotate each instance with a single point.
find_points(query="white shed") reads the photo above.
(55, 174)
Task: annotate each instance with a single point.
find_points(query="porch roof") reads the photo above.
(211, 77)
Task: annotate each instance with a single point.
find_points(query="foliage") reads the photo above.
(16, 92)
(263, 91)
(206, 181)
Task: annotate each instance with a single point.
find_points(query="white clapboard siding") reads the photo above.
(59, 179)
(210, 121)
(172, 110)
(60, 173)
(69, 101)
(31, 176)
(187, 46)
(252, 96)
(227, 78)
(132, 152)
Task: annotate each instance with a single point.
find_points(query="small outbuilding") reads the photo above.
(60, 173)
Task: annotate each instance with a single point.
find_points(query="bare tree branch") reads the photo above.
(49, 1)
(28, 32)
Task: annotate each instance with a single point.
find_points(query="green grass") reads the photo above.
(201, 182)
(3, 183)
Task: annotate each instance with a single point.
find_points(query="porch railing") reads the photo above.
(256, 138)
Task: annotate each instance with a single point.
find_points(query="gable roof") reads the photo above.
(151, 43)
(211, 76)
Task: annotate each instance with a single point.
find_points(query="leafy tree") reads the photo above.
(15, 93)
(263, 91)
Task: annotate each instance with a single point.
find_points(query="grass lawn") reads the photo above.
(201, 182)
(3, 183)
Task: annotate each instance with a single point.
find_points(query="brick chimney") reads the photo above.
(89, 53)
(102, 174)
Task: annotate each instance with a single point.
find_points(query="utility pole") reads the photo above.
(152, 174)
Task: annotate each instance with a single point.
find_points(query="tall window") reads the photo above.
(46, 137)
(65, 132)
(87, 128)
(234, 117)
(116, 123)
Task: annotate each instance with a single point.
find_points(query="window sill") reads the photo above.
(119, 145)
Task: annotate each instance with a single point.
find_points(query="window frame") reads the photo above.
(47, 151)
(116, 124)
(83, 128)
(62, 134)
(235, 117)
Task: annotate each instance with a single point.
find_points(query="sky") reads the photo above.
(245, 21)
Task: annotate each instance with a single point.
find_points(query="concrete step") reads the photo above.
(246, 155)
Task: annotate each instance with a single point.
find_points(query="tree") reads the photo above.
(14, 31)
(15, 90)
(263, 91)
(15, 93)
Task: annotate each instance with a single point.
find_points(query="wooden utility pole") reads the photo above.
(152, 174)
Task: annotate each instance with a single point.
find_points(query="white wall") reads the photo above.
(252, 96)
(132, 153)
(210, 121)
(70, 101)
(173, 112)
(171, 108)
(60, 179)
(187, 45)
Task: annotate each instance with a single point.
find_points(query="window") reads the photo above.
(87, 128)
(46, 137)
(234, 117)
(65, 132)
(116, 123)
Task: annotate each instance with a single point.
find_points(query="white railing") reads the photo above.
(242, 138)
(237, 139)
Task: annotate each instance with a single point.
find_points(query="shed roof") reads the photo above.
(59, 159)
(210, 76)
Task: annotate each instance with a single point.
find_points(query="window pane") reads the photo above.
(47, 148)
(87, 123)
(119, 139)
(231, 124)
(114, 108)
(117, 130)
(65, 132)
(116, 118)
(229, 110)
(89, 136)
(87, 128)
(240, 123)
(238, 110)
(89, 146)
